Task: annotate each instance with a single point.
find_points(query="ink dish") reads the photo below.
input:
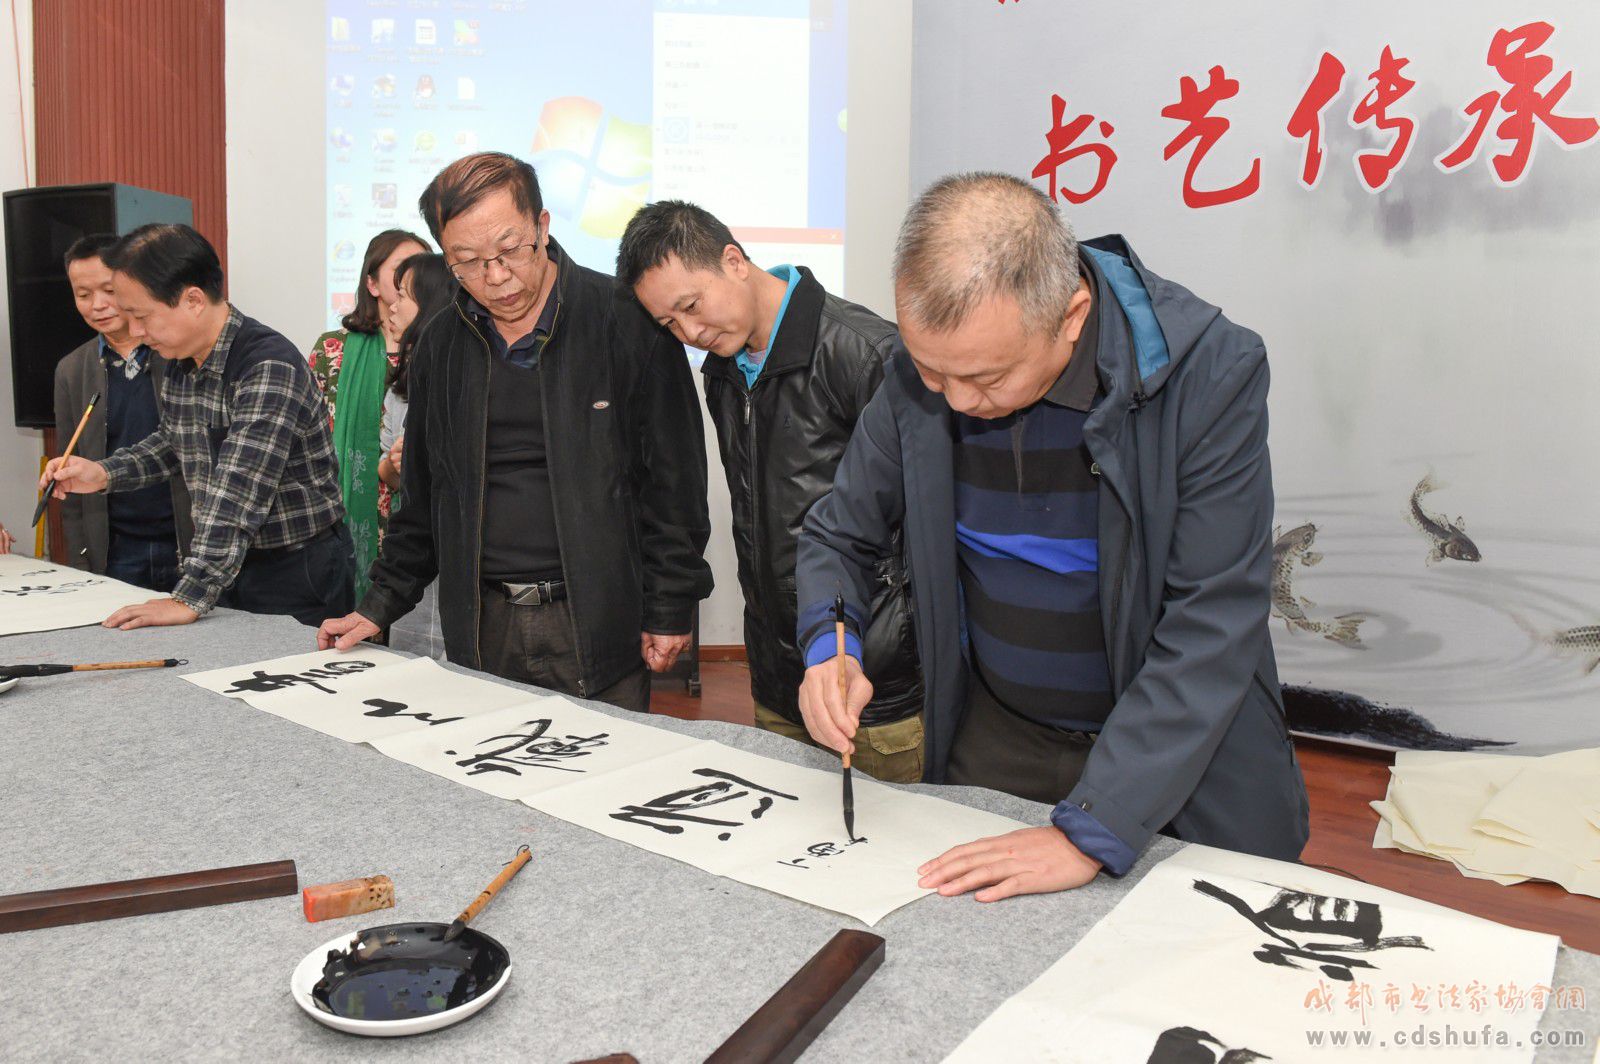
(400, 979)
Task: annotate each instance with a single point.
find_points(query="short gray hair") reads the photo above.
(976, 235)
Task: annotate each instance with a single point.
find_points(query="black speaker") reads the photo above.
(41, 223)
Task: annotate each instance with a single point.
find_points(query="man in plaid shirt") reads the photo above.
(243, 420)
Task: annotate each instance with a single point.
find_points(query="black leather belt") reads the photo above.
(540, 594)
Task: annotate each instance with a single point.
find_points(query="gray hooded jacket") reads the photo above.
(1196, 745)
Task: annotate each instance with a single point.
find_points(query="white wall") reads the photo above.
(878, 170)
(277, 212)
(19, 448)
(276, 194)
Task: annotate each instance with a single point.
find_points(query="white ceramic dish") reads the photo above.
(309, 971)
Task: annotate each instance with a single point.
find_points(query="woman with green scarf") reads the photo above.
(352, 367)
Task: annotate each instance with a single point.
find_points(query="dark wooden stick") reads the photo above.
(780, 1030)
(50, 488)
(136, 897)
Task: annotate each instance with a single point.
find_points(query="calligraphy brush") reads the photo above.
(49, 489)
(459, 924)
(844, 696)
(99, 666)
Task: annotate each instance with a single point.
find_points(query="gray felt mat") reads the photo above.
(123, 775)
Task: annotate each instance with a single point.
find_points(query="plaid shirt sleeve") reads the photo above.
(147, 462)
(270, 407)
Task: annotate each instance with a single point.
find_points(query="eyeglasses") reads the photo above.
(509, 259)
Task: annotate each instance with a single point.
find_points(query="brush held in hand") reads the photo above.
(44, 496)
(849, 797)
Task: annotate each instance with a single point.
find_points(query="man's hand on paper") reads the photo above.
(1026, 861)
(158, 612)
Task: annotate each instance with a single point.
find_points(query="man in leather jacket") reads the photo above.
(790, 368)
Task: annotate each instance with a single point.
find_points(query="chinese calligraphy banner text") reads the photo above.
(39, 596)
(1401, 202)
(749, 818)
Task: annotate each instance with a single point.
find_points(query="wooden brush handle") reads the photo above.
(50, 486)
(844, 674)
(82, 422)
(101, 666)
(523, 857)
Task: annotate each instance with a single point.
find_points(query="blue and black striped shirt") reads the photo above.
(1027, 543)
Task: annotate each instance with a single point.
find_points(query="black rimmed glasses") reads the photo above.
(511, 259)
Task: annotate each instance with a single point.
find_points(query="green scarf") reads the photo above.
(357, 418)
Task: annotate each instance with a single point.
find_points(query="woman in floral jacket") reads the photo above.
(352, 367)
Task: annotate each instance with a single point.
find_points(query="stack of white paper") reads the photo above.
(1497, 816)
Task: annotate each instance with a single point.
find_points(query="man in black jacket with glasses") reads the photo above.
(556, 483)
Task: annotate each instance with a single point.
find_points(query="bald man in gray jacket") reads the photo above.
(1077, 450)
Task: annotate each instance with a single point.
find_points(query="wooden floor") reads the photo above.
(1340, 780)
